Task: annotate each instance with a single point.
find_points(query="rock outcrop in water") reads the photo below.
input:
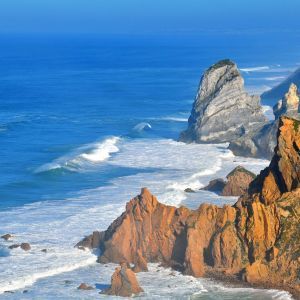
(262, 141)
(257, 240)
(237, 183)
(222, 111)
(123, 283)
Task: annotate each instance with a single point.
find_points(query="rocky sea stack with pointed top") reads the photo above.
(257, 240)
(223, 110)
(123, 283)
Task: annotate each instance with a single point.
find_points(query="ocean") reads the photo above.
(85, 122)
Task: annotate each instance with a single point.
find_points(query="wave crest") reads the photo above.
(84, 157)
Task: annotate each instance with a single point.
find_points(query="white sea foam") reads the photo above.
(275, 78)
(268, 112)
(142, 126)
(255, 69)
(167, 168)
(82, 158)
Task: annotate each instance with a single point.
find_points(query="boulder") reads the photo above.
(222, 111)
(6, 236)
(84, 286)
(123, 283)
(25, 246)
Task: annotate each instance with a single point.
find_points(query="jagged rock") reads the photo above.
(283, 173)
(140, 264)
(215, 185)
(6, 236)
(123, 283)
(222, 111)
(84, 286)
(271, 96)
(262, 141)
(238, 181)
(289, 105)
(189, 190)
(90, 242)
(257, 239)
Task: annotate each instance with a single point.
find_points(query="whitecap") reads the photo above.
(255, 69)
(142, 126)
(84, 157)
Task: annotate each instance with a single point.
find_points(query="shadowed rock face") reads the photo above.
(262, 141)
(123, 283)
(283, 174)
(256, 240)
(222, 111)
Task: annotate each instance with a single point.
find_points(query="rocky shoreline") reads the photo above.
(254, 241)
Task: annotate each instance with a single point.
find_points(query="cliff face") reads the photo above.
(262, 141)
(257, 240)
(222, 111)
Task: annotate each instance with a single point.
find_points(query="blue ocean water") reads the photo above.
(59, 93)
(86, 121)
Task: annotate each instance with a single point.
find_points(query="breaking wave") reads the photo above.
(83, 157)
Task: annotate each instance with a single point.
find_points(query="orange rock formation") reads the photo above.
(256, 240)
(123, 283)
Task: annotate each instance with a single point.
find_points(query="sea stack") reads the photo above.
(289, 105)
(123, 283)
(223, 110)
(262, 141)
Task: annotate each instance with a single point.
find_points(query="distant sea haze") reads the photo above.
(85, 122)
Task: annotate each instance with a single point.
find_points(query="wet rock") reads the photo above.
(189, 190)
(25, 246)
(84, 286)
(6, 236)
(14, 246)
(123, 283)
(44, 250)
(90, 242)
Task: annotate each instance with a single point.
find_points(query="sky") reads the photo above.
(146, 16)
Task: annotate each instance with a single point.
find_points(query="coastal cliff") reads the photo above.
(256, 240)
(223, 110)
